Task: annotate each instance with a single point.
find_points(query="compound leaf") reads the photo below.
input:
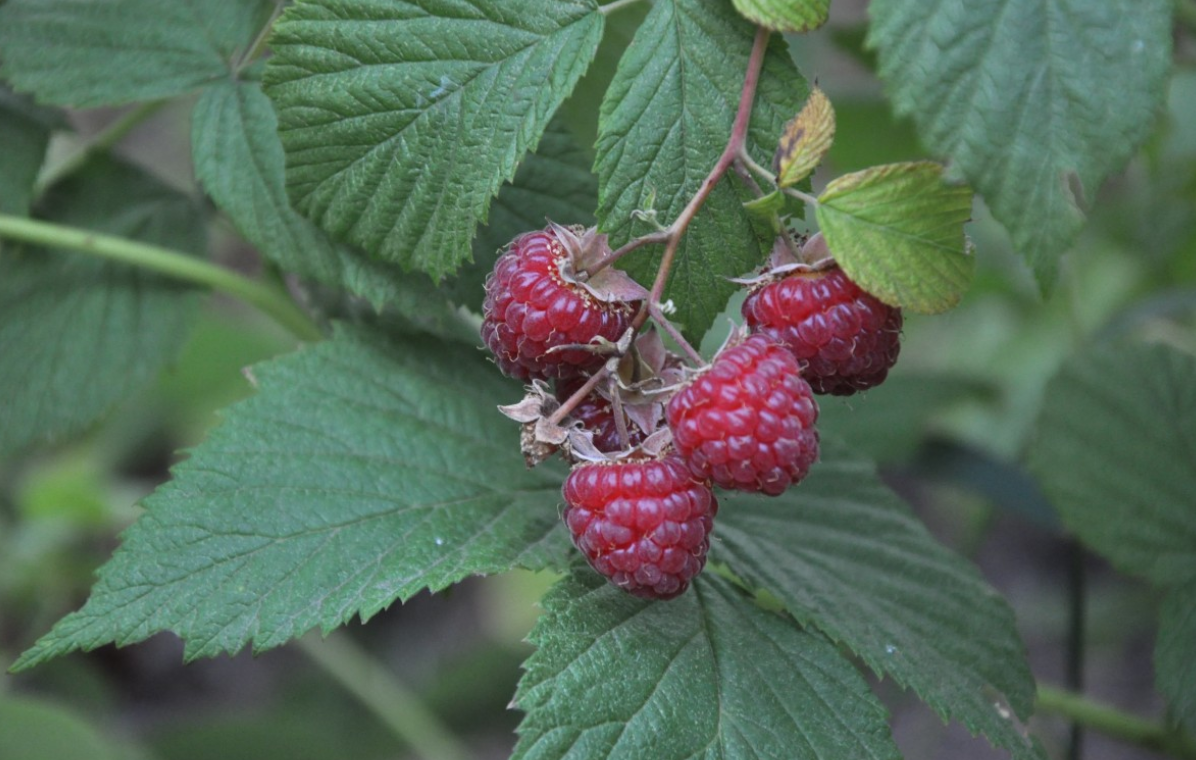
(363, 471)
(897, 230)
(84, 53)
(400, 120)
(844, 555)
(1116, 453)
(794, 16)
(239, 161)
(665, 122)
(24, 134)
(708, 675)
(79, 334)
(1034, 102)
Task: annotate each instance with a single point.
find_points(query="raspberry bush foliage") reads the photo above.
(627, 226)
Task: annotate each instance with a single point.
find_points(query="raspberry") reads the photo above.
(597, 415)
(643, 523)
(845, 339)
(747, 422)
(530, 308)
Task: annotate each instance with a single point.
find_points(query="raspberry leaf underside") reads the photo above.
(665, 121)
(92, 54)
(708, 675)
(793, 16)
(897, 230)
(400, 120)
(1034, 102)
(80, 334)
(363, 471)
(847, 557)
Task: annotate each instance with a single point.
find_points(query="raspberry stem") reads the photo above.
(569, 404)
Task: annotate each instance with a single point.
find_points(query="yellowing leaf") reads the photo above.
(806, 140)
(785, 15)
(897, 230)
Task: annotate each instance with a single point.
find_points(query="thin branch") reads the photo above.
(259, 42)
(1115, 723)
(610, 8)
(569, 404)
(181, 266)
(377, 688)
(104, 141)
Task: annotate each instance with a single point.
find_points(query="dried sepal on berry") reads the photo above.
(543, 317)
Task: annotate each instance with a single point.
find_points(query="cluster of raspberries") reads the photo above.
(642, 515)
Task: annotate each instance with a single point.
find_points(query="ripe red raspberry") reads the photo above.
(747, 422)
(531, 307)
(643, 523)
(598, 416)
(845, 339)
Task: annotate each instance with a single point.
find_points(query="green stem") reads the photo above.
(372, 683)
(110, 136)
(1115, 723)
(610, 8)
(270, 300)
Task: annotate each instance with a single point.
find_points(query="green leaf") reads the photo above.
(89, 332)
(665, 121)
(24, 134)
(553, 183)
(844, 555)
(708, 675)
(239, 161)
(1034, 102)
(362, 472)
(795, 16)
(82, 53)
(1175, 654)
(400, 120)
(1116, 453)
(897, 230)
(32, 729)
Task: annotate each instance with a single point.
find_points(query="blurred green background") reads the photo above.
(949, 427)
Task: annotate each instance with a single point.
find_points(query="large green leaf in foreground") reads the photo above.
(362, 472)
(665, 121)
(709, 675)
(844, 555)
(85, 53)
(78, 333)
(1034, 102)
(400, 120)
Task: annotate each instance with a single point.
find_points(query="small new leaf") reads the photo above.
(401, 120)
(768, 207)
(708, 675)
(805, 141)
(363, 471)
(897, 230)
(794, 16)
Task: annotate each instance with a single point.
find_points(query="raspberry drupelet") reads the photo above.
(747, 422)
(532, 306)
(845, 339)
(644, 524)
